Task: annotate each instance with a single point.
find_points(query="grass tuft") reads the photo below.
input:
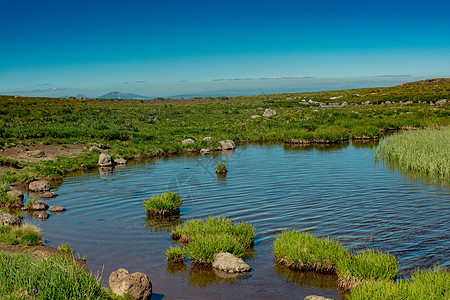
(165, 204)
(175, 254)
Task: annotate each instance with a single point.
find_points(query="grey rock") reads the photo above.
(43, 215)
(269, 112)
(55, 208)
(205, 151)
(95, 148)
(187, 142)
(344, 104)
(120, 161)
(15, 193)
(49, 195)
(441, 102)
(137, 284)
(227, 145)
(255, 116)
(314, 297)
(39, 205)
(9, 219)
(207, 138)
(388, 102)
(228, 262)
(39, 186)
(105, 160)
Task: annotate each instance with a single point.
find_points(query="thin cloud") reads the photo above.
(390, 76)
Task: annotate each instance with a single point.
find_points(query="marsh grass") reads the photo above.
(365, 266)
(304, 252)
(175, 254)
(26, 234)
(204, 238)
(53, 277)
(221, 168)
(165, 204)
(425, 151)
(423, 284)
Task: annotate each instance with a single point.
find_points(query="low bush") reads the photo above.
(165, 204)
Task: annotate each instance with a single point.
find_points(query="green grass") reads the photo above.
(165, 204)
(428, 284)
(26, 234)
(366, 266)
(425, 151)
(9, 200)
(54, 277)
(204, 238)
(302, 251)
(175, 254)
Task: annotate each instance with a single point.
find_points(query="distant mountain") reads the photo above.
(120, 95)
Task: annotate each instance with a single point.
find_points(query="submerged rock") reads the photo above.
(269, 112)
(39, 186)
(49, 195)
(228, 262)
(227, 145)
(137, 284)
(43, 215)
(105, 160)
(9, 219)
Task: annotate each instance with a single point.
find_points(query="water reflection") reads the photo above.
(164, 224)
(310, 279)
(320, 147)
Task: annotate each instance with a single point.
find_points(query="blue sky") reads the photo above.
(55, 48)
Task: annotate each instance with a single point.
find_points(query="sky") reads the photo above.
(163, 48)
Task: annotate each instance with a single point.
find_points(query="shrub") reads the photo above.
(165, 204)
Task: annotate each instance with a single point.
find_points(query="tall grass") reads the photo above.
(165, 204)
(425, 284)
(26, 234)
(425, 151)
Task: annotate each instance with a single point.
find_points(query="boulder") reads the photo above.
(120, 161)
(207, 138)
(36, 153)
(441, 102)
(39, 205)
(314, 297)
(187, 141)
(228, 262)
(205, 151)
(49, 195)
(55, 208)
(43, 215)
(9, 219)
(39, 186)
(227, 145)
(105, 160)
(388, 102)
(15, 193)
(137, 284)
(269, 112)
(255, 116)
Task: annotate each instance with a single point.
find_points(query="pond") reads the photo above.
(337, 191)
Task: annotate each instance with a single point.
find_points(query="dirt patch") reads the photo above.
(26, 154)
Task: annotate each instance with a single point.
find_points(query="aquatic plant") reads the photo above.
(175, 254)
(302, 251)
(165, 204)
(365, 266)
(202, 250)
(221, 168)
(425, 151)
(423, 284)
(30, 203)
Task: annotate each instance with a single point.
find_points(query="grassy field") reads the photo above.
(139, 128)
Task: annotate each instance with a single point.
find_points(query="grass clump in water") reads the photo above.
(205, 238)
(366, 266)
(54, 277)
(166, 204)
(302, 251)
(26, 234)
(428, 284)
(423, 150)
(221, 168)
(175, 254)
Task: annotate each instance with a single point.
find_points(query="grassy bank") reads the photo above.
(139, 128)
(425, 151)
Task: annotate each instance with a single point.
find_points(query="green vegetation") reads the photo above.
(166, 204)
(134, 128)
(366, 266)
(9, 200)
(53, 277)
(426, 151)
(204, 238)
(175, 254)
(302, 251)
(430, 284)
(65, 249)
(221, 168)
(26, 234)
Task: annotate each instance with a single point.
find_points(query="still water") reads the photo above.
(337, 191)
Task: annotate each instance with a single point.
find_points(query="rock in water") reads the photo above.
(227, 145)
(39, 186)
(269, 112)
(39, 205)
(9, 219)
(120, 161)
(314, 297)
(228, 262)
(55, 208)
(105, 160)
(15, 193)
(137, 284)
